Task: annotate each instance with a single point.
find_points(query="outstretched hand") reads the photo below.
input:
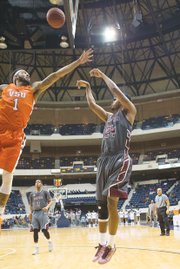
(86, 56)
(82, 83)
(95, 72)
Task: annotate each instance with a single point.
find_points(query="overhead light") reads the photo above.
(110, 34)
(3, 44)
(64, 42)
(27, 44)
(56, 2)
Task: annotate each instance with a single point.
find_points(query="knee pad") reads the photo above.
(7, 179)
(46, 233)
(36, 231)
(102, 210)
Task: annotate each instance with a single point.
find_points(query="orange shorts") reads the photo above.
(11, 145)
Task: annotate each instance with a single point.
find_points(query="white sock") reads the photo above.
(111, 240)
(103, 238)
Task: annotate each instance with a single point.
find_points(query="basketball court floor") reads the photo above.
(137, 247)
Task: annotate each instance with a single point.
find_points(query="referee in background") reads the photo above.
(162, 206)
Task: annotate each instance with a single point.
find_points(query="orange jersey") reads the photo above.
(16, 106)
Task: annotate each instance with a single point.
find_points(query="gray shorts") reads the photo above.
(40, 220)
(113, 176)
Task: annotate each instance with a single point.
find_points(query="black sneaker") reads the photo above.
(162, 234)
(167, 233)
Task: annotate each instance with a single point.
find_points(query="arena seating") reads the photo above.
(135, 157)
(159, 122)
(174, 195)
(120, 204)
(90, 128)
(40, 163)
(89, 162)
(80, 200)
(15, 204)
(171, 154)
(143, 194)
(77, 129)
(84, 194)
(39, 129)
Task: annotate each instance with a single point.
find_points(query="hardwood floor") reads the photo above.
(137, 247)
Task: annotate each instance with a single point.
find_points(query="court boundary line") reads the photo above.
(11, 251)
(130, 248)
(153, 250)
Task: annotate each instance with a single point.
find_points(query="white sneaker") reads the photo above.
(36, 251)
(50, 246)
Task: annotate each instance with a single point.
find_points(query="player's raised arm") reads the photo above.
(98, 110)
(117, 93)
(43, 85)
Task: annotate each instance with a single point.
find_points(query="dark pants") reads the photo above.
(163, 219)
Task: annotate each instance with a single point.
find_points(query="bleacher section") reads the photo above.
(77, 129)
(15, 204)
(78, 201)
(88, 129)
(143, 194)
(87, 160)
(84, 195)
(151, 155)
(160, 122)
(174, 195)
(39, 129)
(135, 157)
(40, 163)
(88, 163)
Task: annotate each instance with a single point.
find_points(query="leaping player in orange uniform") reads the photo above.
(16, 105)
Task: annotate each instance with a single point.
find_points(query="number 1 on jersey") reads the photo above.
(15, 107)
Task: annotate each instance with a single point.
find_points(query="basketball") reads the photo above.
(55, 17)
